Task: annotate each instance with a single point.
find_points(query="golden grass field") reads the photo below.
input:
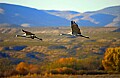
(54, 47)
(70, 76)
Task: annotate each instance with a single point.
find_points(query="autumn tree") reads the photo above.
(34, 68)
(111, 59)
(63, 66)
(63, 70)
(71, 65)
(24, 68)
(64, 62)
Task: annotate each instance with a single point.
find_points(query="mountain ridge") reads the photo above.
(23, 16)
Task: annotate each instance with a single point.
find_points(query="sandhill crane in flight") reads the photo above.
(28, 34)
(75, 31)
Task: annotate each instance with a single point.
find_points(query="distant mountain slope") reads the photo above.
(16, 16)
(64, 14)
(103, 19)
(114, 10)
(109, 16)
(117, 30)
(24, 16)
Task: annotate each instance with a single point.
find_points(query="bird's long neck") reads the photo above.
(66, 34)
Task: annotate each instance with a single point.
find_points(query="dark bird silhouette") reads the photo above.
(75, 31)
(28, 34)
(75, 28)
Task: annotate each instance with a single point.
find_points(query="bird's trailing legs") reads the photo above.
(37, 38)
(83, 36)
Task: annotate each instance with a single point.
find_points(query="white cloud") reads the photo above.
(25, 25)
(1, 11)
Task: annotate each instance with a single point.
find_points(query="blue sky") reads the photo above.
(75, 5)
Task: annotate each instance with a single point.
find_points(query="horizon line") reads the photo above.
(57, 9)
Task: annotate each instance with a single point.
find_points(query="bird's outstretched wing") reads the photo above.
(27, 32)
(28, 35)
(32, 37)
(75, 28)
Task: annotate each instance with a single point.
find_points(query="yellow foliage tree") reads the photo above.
(64, 62)
(33, 68)
(22, 68)
(111, 59)
(65, 70)
(70, 60)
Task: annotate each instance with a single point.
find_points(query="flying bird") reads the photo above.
(28, 34)
(75, 31)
